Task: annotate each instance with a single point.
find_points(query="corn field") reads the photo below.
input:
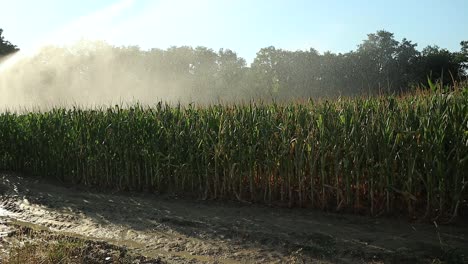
(386, 155)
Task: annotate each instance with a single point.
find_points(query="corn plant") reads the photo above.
(378, 155)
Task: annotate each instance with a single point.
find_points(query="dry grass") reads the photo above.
(27, 246)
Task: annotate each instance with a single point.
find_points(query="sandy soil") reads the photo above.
(193, 231)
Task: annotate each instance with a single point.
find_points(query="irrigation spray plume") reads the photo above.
(42, 74)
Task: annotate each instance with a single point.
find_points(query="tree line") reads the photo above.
(380, 64)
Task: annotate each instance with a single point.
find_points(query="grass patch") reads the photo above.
(28, 246)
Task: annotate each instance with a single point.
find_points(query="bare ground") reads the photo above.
(192, 231)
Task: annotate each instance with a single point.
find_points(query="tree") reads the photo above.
(439, 65)
(407, 59)
(377, 60)
(464, 47)
(230, 74)
(463, 58)
(5, 46)
(265, 73)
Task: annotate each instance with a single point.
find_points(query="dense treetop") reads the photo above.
(5, 46)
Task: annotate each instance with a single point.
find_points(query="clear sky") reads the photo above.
(242, 25)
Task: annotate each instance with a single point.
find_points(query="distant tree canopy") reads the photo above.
(380, 64)
(5, 46)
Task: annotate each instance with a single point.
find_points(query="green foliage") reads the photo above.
(385, 154)
(5, 46)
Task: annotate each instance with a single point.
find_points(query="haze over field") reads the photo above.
(87, 60)
(54, 71)
(83, 74)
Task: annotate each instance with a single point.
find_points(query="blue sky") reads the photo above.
(242, 25)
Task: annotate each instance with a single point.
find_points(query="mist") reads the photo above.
(67, 68)
(94, 73)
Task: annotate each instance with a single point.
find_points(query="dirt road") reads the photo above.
(193, 231)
